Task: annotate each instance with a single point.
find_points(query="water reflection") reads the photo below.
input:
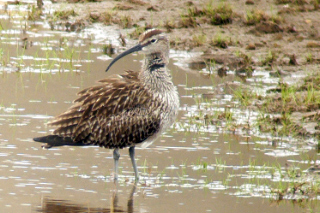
(51, 205)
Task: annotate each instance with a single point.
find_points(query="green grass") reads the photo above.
(199, 40)
(245, 96)
(256, 16)
(309, 57)
(125, 21)
(3, 61)
(34, 13)
(138, 30)
(294, 2)
(168, 24)
(216, 14)
(186, 22)
(64, 14)
(269, 59)
(220, 14)
(278, 181)
(107, 17)
(221, 41)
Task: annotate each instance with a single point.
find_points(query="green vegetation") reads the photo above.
(188, 22)
(313, 44)
(309, 58)
(257, 16)
(216, 15)
(64, 14)
(295, 2)
(107, 17)
(137, 32)
(316, 4)
(270, 59)
(34, 13)
(277, 108)
(199, 39)
(169, 25)
(220, 41)
(3, 61)
(245, 96)
(287, 181)
(125, 21)
(221, 14)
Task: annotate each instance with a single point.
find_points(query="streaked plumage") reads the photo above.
(125, 110)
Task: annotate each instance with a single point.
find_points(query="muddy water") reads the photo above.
(191, 168)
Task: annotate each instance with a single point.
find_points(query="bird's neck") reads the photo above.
(155, 74)
(155, 60)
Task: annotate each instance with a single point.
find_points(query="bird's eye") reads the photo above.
(154, 40)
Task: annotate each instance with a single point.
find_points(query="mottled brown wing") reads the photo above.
(125, 129)
(104, 114)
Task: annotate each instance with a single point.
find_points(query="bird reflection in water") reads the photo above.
(50, 205)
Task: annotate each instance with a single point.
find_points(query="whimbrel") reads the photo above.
(123, 111)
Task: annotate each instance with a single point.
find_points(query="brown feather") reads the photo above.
(123, 110)
(113, 114)
(149, 34)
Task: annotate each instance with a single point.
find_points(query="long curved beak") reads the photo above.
(127, 52)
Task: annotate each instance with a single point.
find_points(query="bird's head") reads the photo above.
(152, 41)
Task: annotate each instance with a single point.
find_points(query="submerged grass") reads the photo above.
(279, 183)
(284, 104)
(34, 13)
(283, 111)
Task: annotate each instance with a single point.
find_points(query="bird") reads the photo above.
(125, 110)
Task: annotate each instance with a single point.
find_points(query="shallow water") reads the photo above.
(193, 167)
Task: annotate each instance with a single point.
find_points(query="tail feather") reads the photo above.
(56, 140)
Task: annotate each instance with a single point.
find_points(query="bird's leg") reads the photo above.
(134, 165)
(116, 156)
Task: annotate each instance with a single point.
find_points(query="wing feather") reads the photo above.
(116, 113)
